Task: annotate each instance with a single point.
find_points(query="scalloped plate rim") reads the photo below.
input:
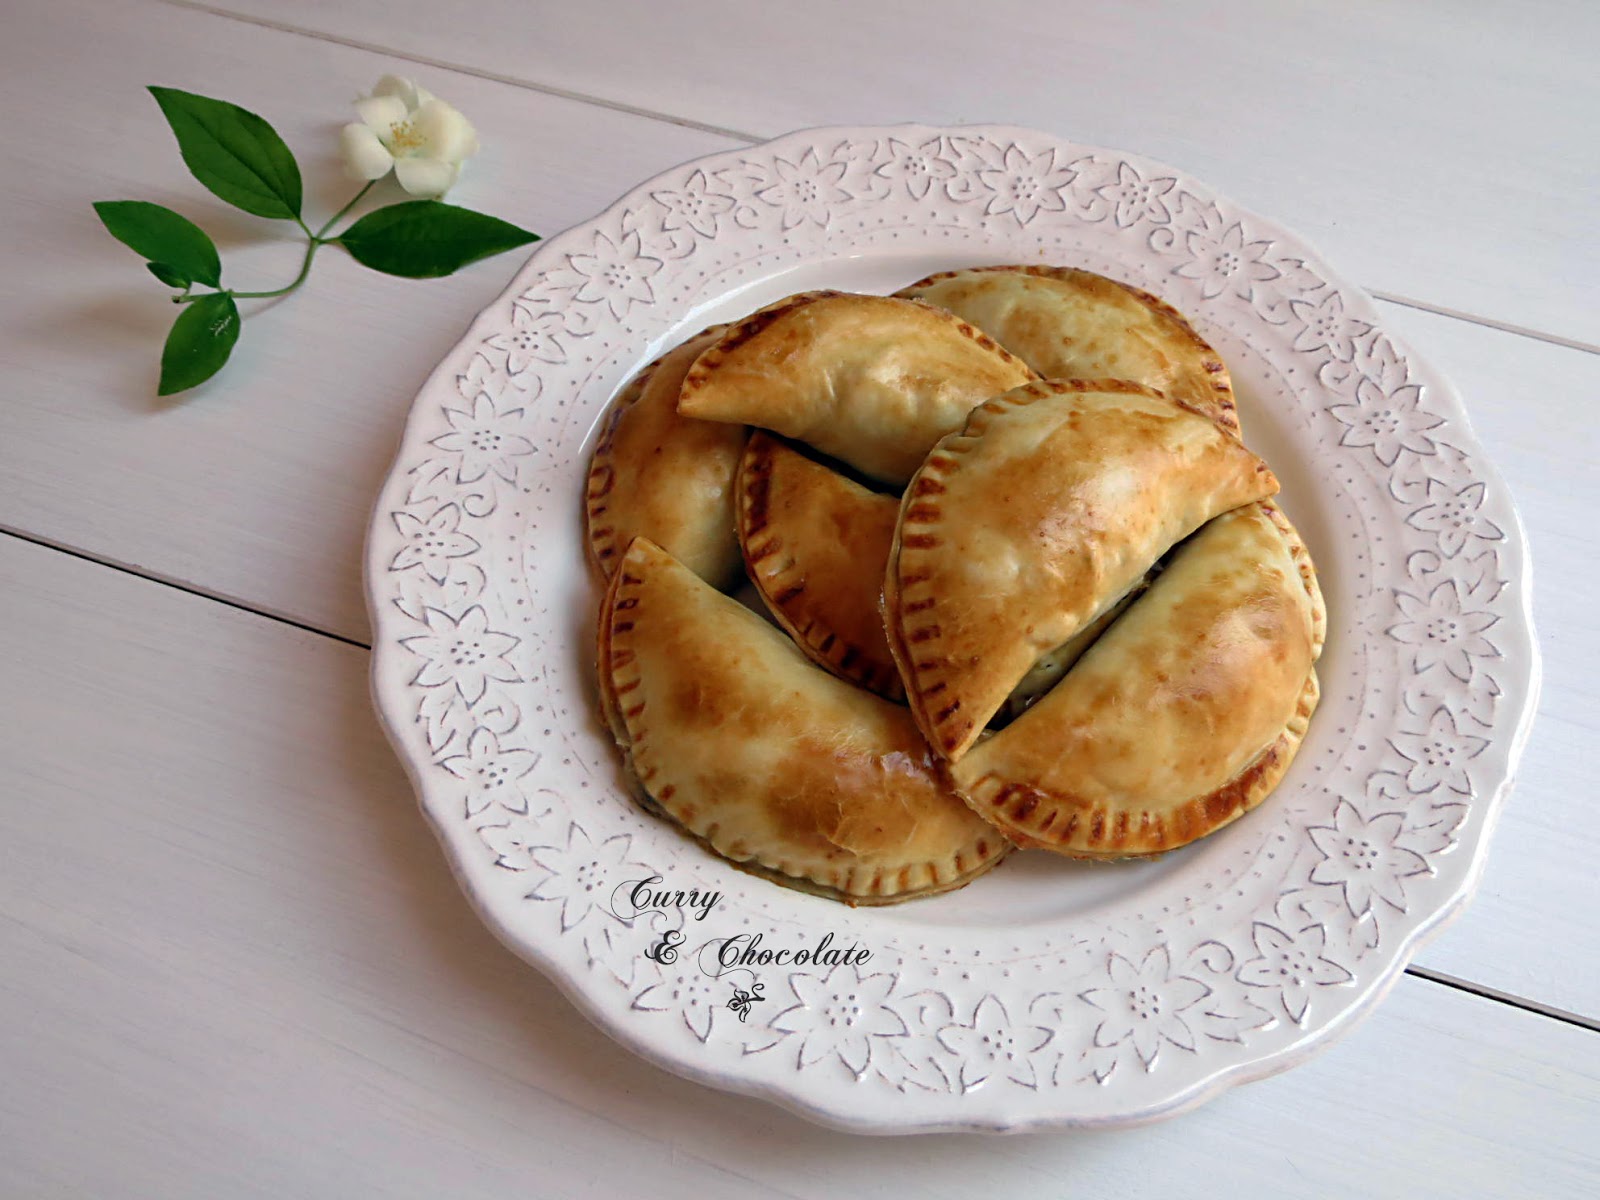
(636, 1036)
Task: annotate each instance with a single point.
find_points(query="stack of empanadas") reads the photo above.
(1027, 584)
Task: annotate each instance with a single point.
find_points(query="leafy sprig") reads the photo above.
(241, 159)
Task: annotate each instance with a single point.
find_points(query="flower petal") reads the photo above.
(1268, 938)
(406, 558)
(1183, 992)
(855, 1051)
(425, 177)
(960, 1040)
(813, 1046)
(883, 1021)
(448, 135)
(1113, 1030)
(1296, 998)
(381, 113)
(1176, 1030)
(1123, 973)
(1258, 972)
(1147, 1044)
(1156, 966)
(1388, 888)
(1328, 871)
(399, 87)
(364, 155)
(810, 992)
(990, 1015)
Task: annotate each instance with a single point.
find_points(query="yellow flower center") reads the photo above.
(404, 136)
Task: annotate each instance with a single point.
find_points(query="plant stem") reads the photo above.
(314, 242)
(322, 234)
(305, 269)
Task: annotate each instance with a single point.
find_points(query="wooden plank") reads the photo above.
(259, 489)
(256, 487)
(237, 965)
(1436, 151)
(1529, 931)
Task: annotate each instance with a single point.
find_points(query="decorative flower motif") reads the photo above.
(1389, 422)
(696, 207)
(1027, 184)
(842, 1014)
(1135, 198)
(417, 135)
(918, 167)
(533, 336)
(466, 653)
(805, 190)
(446, 716)
(697, 996)
(1144, 1005)
(484, 440)
(1324, 326)
(1438, 754)
(1291, 966)
(513, 843)
(616, 272)
(1224, 260)
(492, 772)
(992, 1044)
(1472, 701)
(1479, 698)
(1364, 858)
(1455, 518)
(431, 544)
(1443, 631)
(580, 875)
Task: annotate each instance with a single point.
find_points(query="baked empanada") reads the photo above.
(1043, 512)
(1071, 324)
(772, 762)
(871, 380)
(1047, 672)
(1182, 717)
(815, 544)
(663, 476)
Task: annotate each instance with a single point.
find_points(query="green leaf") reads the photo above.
(164, 236)
(424, 239)
(201, 339)
(168, 274)
(235, 153)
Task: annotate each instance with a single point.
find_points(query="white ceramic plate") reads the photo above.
(1049, 992)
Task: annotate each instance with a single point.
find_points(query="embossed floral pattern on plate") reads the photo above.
(1228, 963)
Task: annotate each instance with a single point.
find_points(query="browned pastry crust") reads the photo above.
(660, 475)
(1072, 324)
(1181, 718)
(771, 762)
(1022, 528)
(873, 381)
(814, 544)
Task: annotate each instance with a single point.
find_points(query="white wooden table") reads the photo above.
(232, 961)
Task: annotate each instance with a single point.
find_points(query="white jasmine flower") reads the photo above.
(408, 129)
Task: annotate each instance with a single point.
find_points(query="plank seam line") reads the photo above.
(1457, 314)
(1488, 993)
(1482, 991)
(652, 114)
(443, 64)
(177, 585)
